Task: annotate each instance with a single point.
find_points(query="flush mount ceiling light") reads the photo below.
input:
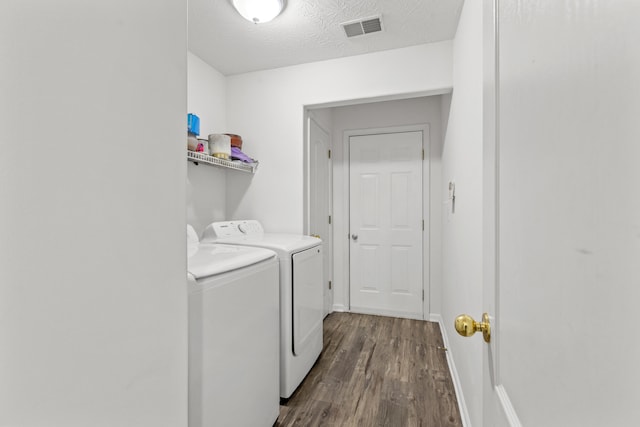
(258, 11)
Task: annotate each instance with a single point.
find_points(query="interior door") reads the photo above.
(386, 224)
(320, 203)
(567, 223)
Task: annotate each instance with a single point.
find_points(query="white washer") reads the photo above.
(301, 296)
(234, 330)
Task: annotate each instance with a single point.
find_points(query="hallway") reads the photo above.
(376, 371)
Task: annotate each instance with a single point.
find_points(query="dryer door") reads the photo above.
(307, 297)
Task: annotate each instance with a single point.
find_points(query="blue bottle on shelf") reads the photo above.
(193, 130)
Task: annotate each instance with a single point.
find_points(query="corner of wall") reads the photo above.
(206, 185)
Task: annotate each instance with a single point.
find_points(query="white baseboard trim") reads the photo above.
(507, 407)
(340, 307)
(387, 313)
(462, 406)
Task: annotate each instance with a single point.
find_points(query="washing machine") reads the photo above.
(301, 293)
(234, 329)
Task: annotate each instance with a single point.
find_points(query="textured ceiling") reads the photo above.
(310, 30)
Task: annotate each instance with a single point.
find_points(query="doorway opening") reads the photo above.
(421, 115)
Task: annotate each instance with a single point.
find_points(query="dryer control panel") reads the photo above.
(226, 229)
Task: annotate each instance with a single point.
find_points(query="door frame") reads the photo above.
(426, 208)
(309, 189)
(327, 241)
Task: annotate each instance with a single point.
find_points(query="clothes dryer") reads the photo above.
(233, 335)
(301, 293)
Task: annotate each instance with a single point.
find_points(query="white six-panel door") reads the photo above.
(386, 224)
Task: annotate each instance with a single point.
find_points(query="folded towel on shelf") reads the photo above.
(236, 154)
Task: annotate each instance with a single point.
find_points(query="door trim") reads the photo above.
(327, 241)
(491, 207)
(490, 167)
(426, 209)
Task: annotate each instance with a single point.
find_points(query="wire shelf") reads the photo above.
(230, 164)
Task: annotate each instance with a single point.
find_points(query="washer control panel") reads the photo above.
(250, 227)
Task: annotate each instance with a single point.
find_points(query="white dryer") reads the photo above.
(234, 329)
(301, 296)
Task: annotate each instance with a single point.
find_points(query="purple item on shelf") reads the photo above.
(236, 154)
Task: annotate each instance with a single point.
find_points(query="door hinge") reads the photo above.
(423, 295)
(423, 154)
(329, 153)
(423, 225)
(329, 219)
(329, 284)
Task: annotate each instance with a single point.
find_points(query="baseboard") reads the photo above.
(387, 313)
(462, 406)
(340, 307)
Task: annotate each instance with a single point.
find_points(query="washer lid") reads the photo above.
(212, 259)
(284, 244)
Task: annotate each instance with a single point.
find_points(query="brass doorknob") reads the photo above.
(466, 326)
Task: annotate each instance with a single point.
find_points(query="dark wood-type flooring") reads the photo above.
(376, 371)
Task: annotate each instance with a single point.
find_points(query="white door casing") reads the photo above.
(320, 209)
(565, 217)
(386, 223)
(497, 408)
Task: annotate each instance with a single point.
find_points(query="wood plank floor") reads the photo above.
(376, 371)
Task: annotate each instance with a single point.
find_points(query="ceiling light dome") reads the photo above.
(258, 11)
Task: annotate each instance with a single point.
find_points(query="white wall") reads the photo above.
(267, 109)
(206, 95)
(93, 303)
(379, 115)
(206, 185)
(462, 231)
